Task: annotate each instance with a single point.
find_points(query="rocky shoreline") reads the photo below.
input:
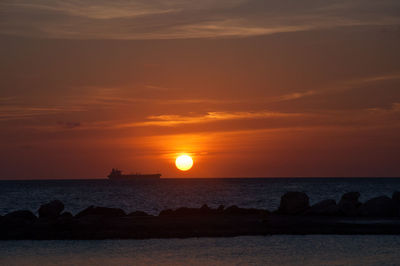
(380, 215)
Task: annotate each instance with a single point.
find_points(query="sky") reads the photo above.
(248, 88)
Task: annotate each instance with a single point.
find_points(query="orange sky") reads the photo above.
(248, 88)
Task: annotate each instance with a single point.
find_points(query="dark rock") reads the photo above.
(205, 208)
(396, 196)
(65, 219)
(294, 203)
(138, 214)
(66, 215)
(351, 196)
(326, 207)
(166, 212)
(205, 211)
(231, 209)
(379, 207)
(235, 210)
(101, 211)
(18, 218)
(349, 204)
(396, 200)
(51, 209)
(184, 211)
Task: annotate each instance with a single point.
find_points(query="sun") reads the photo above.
(184, 162)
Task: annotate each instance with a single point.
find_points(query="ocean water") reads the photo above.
(267, 250)
(154, 196)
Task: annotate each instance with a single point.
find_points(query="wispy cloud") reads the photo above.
(294, 95)
(155, 19)
(173, 120)
(376, 78)
(16, 112)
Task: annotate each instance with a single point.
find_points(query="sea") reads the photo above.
(154, 196)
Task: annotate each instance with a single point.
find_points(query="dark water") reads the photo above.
(269, 250)
(172, 193)
(155, 196)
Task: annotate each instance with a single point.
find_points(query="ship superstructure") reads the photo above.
(116, 174)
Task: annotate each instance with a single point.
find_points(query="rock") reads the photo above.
(235, 210)
(379, 207)
(51, 209)
(231, 209)
(396, 196)
(326, 207)
(102, 212)
(294, 203)
(207, 211)
(205, 208)
(351, 196)
(166, 212)
(19, 218)
(185, 211)
(66, 215)
(138, 214)
(349, 204)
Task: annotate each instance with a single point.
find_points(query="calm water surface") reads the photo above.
(153, 197)
(269, 250)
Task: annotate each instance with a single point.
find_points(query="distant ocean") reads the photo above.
(154, 196)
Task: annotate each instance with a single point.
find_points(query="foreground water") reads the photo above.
(153, 197)
(268, 250)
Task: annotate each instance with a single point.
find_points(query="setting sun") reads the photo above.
(184, 162)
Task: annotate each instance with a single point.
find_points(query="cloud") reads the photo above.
(376, 78)
(156, 19)
(173, 120)
(69, 125)
(15, 112)
(294, 95)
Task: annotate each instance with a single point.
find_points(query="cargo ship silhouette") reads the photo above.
(116, 174)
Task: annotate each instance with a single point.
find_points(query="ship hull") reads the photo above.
(135, 177)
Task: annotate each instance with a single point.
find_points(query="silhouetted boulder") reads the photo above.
(184, 211)
(220, 208)
(351, 196)
(396, 196)
(235, 210)
(51, 209)
(205, 208)
(326, 207)
(349, 204)
(232, 210)
(138, 214)
(205, 211)
(66, 215)
(379, 207)
(19, 218)
(166, 212)
(102, 212)
(294, 203)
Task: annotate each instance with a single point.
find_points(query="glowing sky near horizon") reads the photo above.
(248, 87)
